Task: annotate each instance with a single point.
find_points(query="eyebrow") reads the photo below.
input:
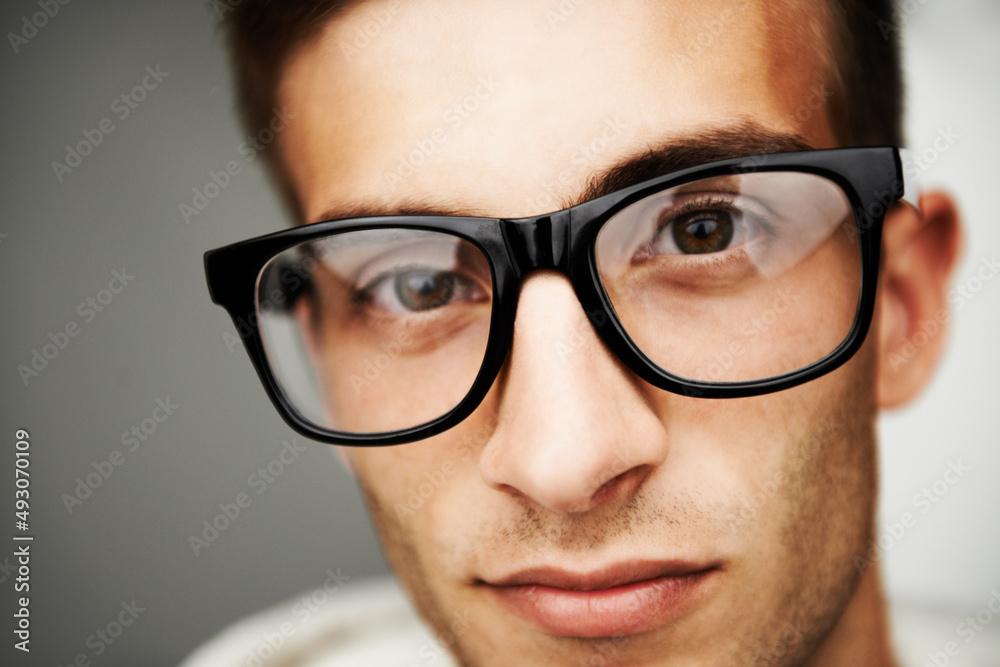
(684, 152)
(676, 153)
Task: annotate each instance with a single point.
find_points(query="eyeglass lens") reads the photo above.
(735, 278)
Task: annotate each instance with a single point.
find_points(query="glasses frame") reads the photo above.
(872, 178)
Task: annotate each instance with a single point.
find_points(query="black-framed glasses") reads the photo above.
(735, 278)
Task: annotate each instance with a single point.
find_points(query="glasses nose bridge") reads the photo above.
(539, 242)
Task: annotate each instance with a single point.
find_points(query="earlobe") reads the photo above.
(919, 254)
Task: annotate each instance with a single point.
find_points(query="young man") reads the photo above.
(640, 432)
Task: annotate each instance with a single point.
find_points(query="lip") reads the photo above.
(623, 599)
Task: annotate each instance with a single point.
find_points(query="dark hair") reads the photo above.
(866, 108)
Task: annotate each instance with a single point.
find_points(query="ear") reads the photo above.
(919, 253)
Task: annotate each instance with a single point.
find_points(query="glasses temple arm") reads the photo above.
(911, 178)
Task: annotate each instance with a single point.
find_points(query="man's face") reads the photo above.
(581, 516)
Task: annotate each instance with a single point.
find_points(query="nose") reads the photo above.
(574, 429)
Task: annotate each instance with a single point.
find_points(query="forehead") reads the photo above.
(501, 106)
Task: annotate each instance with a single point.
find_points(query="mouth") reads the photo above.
(626, 598)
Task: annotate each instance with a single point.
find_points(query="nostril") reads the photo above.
(624, 484)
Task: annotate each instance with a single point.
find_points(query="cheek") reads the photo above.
(413, 489)
(388, 478)
(422, 500)
(801, 457)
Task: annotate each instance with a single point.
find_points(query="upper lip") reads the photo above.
(612, 576)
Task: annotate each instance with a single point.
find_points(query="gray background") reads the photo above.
(162, 337)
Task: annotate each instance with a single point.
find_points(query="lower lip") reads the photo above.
(610, 612)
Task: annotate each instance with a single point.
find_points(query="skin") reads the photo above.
(572, 461)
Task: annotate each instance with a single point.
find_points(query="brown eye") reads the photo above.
(423, 290)
(703, 232)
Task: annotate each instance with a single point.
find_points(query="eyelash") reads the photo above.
(713, 203)
(710, 202)
(361, 295)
